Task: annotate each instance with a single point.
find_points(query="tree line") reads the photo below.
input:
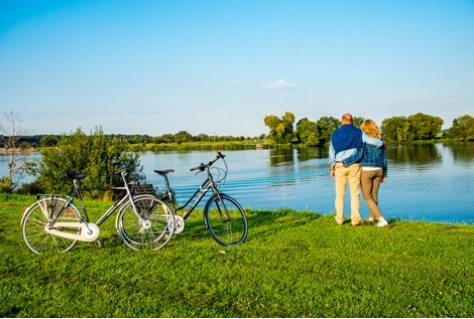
(25, 142)
(95, 153)
(400, 129)
(283, 130)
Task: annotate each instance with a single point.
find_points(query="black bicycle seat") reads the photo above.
(70, 175)
(166, 171)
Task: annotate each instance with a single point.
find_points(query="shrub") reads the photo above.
(97, 155)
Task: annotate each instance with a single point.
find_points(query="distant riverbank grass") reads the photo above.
(197, 146)
(293, 264)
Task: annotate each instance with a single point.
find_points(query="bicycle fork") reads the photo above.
(223, 212)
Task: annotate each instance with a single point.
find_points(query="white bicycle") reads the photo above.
(54, 224)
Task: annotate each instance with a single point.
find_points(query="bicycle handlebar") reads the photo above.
(203, 166)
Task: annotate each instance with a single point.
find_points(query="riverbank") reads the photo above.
(293, 264)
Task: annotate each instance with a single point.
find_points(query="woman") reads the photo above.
(374, 172)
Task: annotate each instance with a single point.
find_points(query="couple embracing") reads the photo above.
(358, 157)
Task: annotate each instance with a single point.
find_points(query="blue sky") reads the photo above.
(218, 67)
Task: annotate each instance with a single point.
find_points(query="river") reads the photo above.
(425, 182)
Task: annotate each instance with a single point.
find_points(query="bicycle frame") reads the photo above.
(208, 184)
(109, 211)
(89, 231)
(202, 191)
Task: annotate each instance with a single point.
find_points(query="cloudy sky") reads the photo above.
(218, 67)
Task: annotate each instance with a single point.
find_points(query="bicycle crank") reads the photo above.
(75, 231)
(177, 224)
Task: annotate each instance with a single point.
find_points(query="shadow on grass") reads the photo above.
(263, 222)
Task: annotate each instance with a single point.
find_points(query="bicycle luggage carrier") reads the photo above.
(142, 189)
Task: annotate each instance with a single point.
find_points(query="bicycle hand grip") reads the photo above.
(200, 167)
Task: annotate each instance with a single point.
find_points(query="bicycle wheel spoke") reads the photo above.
(150, 231)
(225, 220)
(35, 221)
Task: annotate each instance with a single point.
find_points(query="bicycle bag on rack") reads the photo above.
(142, 189)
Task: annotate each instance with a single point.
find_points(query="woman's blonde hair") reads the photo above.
(371, 129)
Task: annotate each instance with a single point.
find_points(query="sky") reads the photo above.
(219, 67)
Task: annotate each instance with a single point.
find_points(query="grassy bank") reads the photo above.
(293, 264)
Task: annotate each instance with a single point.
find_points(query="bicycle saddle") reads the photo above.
(164, 172)
(75, 175)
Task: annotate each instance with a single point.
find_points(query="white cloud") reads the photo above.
(276, 85)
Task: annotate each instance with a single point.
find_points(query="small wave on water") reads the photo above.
(432, 183)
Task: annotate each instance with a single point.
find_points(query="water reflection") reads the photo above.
(306, 154)
(281, 156)
(291, 166)
(414, 154)
(462, 153)
(426, 182)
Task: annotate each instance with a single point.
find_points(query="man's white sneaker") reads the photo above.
(382, 223)
(371, 219)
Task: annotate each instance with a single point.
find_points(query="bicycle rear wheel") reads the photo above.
(153, 232)
(225, 220)
(39, 216)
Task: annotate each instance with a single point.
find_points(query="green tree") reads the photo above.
(307, 132)
(97, 155)
(49, 140)
(357, 121)
(395, 129)
(463, 128)
(166, 138)
(183, 137)
(416, 127)
(203, 138)
(424, 127)
(326, 126)
(281, 130)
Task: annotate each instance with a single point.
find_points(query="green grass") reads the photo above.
(293, 264)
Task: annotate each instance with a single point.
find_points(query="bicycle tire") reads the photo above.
(225, 220)
(38, 216)
(140, 236)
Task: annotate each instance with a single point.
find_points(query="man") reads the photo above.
(345, 144)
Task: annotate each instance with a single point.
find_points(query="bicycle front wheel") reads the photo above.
(39, 216)
(151, 232)
(225, 220)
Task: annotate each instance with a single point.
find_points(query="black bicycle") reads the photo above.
(223, 216)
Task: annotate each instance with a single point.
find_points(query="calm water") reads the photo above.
(429, 182)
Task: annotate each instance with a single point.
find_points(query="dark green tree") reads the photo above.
(326, 126)
(49, 140)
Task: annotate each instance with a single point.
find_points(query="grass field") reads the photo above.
(293, 264)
